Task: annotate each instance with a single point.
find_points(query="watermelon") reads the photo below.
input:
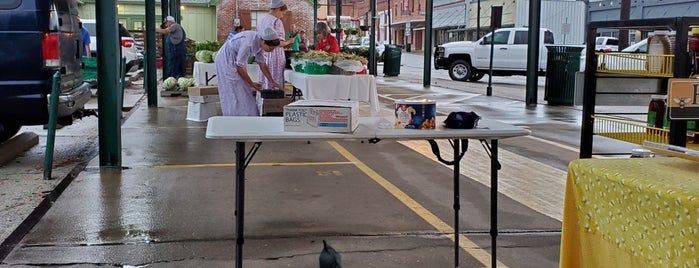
(204, 56)
(170, 83)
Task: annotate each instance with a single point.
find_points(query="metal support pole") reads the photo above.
(457, 198)
(164, 11)
(494, 167)
(372, 38)
(489, 89)
(389, 23)
(239, 202)
(51, 133)
(427, 66)
(478, 20)
(315, 20)
(338, 25)
(109, 121)
(533, 53)
(150, 71)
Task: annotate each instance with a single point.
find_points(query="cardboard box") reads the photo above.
(272, 107)
(200, 112)
(321, 115)
(202, 90)
(204, 98)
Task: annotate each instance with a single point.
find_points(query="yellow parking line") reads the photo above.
(471, 248)
(256, 164)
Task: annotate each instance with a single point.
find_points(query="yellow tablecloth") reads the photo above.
(640, 212)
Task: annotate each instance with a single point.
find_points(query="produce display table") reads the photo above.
(242, 129)
(638, 212)
(359, 87)
(204, 73)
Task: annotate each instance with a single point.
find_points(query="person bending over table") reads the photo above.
(234, 83)
(276, 60)
(326, 41)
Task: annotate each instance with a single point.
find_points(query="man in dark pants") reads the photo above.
(176, 47)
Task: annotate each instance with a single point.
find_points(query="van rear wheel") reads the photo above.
(460, 70)
(8, 130)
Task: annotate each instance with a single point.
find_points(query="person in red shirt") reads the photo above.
(326, 41)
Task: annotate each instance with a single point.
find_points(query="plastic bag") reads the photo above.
(350, 65)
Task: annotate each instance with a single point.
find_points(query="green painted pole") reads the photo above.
(372, 38)
(151, 72)
(109, 121)
(121, 87)
(427, 67)
(53, 118)
(533, 53)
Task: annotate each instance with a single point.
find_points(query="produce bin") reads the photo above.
(391, 64)
(90, 70)
(562, 64)
(317, 67)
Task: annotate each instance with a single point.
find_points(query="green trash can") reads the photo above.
(391, 61)
(562, 64)
(407, 47)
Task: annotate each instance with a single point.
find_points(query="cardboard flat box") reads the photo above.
(204, 98)
(321, 115)
(200, 112)
(202, 90)
(272, 107)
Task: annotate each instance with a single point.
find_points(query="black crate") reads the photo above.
(272, 93)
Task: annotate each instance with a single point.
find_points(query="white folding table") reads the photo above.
(358, 87)
(260, 129)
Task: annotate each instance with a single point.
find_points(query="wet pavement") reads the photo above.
(172, 203)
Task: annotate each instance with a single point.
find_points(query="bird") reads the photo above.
(329, 258)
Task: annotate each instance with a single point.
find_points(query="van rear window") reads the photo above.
(9, 4)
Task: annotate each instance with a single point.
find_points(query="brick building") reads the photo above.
(407, 20)
(407, 17)
(299, 17)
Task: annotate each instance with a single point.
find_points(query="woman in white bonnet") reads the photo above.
(235, 86)
(275, 59)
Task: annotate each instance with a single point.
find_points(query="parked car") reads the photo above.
(363, 42)
(37, 39)
(470, 61)
(129, 48)
(606, 44)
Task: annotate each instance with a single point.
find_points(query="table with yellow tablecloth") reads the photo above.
(638, 212)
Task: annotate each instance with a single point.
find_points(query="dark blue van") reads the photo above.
(38, 38)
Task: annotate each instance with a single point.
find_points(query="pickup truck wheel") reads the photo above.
(8, 130)
(460, 70)
(475, 77)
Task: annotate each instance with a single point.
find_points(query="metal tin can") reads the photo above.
(416, 114)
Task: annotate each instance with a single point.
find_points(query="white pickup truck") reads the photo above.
(469, 61)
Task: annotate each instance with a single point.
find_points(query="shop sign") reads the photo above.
(683, 98)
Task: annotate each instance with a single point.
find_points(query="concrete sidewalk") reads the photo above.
(172, 204)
